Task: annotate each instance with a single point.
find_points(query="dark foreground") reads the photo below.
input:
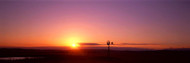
(95, 56)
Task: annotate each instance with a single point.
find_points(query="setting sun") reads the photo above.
(74, 45)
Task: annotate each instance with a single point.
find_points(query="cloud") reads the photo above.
(89, 44)
(119, 44)
(137, 44)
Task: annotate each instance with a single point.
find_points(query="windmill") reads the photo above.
(109, 43)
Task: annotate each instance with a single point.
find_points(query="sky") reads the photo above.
(32, 23)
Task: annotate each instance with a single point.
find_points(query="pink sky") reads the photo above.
(58, 23)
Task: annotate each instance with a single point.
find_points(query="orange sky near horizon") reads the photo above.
(33, 24)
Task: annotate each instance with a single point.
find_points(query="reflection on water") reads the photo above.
(18, 58)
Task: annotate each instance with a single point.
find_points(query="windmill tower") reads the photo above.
(109, 43)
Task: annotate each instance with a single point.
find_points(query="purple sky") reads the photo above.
(55, 22)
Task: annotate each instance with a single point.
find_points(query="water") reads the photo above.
(18, 58)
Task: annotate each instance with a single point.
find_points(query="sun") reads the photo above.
(73, 42)
(74, 45)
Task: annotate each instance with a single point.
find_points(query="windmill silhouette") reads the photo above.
(109, 43)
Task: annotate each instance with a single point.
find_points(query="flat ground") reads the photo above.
(95, 56)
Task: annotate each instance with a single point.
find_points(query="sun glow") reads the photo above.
(74, 45)
(72, 42)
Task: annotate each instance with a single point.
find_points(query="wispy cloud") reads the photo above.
(137, 44)
(89, 44)
(119, 44)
